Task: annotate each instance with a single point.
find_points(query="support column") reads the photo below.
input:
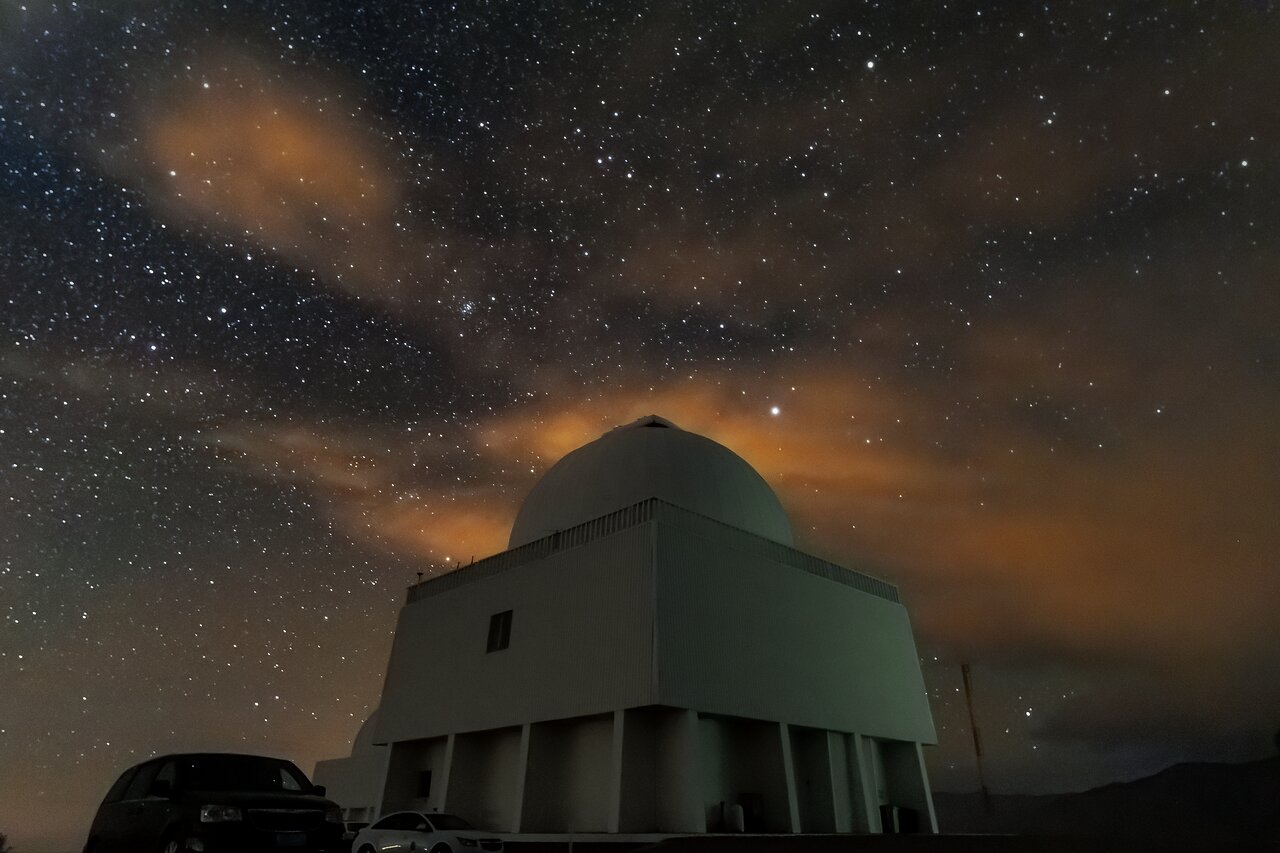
(446, 771)
(380, 805)
(866, 800)
(694, 758)
(841, 796)
(789, 769)
(615, 775)
(928, 792)
(679, 805)
(522, 773)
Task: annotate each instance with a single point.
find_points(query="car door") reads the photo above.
(158, 805)
(108, 823)
(130, 818)
(389, 833)
(417, 834)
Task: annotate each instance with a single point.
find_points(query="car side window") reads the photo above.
(393, 821)
(117, 790)
(140, 785)
(288, 782)
(168, 773)
(420, 824)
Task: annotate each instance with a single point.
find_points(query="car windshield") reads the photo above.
(448, 822)
(241, 773)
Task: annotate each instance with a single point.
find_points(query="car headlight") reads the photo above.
(333, 814)
(219, 814)
(467, 842)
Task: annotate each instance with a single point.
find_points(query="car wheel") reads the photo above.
(367, 849)
(441, 848)
(172, 846)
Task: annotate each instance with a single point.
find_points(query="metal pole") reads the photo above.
(977, 736)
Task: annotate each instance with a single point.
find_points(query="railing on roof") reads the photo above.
(645, 511)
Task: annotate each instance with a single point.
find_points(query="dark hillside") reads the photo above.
(1221, 801)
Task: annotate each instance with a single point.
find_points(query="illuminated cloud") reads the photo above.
(1014, 546)
(290, 161)
(1016, 535)
(370, 481)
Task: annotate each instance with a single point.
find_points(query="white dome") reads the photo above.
(650, 458)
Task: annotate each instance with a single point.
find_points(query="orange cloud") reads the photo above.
(1009, 545)
(368, 480)
(451, 530)
(291, 162)
(1034, 506)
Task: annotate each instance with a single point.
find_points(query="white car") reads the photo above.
(415, 832)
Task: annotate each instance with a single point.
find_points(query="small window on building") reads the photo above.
(499, 631)
(424, 784)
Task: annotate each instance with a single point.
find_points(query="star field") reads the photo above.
(299, 300)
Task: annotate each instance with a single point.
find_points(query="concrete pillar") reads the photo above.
(446, 771)
(615, 772)
(789, 769)
(866, 800)
(841, 796)
(379, 805)
(679, 804)
(693, 763)
(928, 792)
(522, 774)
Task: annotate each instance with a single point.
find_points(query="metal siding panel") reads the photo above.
(639, 513)
(591, 592)
(744, 635)
(581, 643)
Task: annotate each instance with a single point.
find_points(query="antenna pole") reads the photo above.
(977, 736)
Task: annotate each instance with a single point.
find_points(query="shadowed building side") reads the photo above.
(354, 781)
(666, 662)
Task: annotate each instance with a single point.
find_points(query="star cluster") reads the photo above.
(300, 299)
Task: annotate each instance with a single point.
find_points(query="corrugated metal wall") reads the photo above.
(581, 643)
(741, 634)
(639, 513)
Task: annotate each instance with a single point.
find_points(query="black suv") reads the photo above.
(215, 803)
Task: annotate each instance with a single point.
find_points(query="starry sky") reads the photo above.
(300, 298)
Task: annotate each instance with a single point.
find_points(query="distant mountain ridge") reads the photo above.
(1219, 801)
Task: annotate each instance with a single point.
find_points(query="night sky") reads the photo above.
(300, 298)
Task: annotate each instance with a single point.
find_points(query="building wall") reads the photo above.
(652, 675)
(484, 778)
(815, 797)
(581, 644)
(570, 764)
(735, 633)
(404, 785)
(354, 782)
(640, 781)
(655, 769)
(741, 635)
(743, 763)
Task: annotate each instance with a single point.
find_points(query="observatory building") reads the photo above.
(650, 655)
